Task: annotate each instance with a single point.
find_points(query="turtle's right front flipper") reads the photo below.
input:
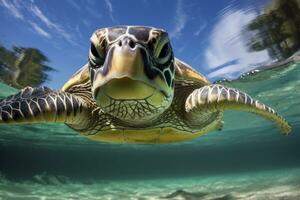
(214, 98)
(34, 105)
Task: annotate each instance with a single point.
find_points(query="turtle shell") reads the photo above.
(81, 76)
(185, 72)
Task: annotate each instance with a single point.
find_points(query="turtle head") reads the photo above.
(132, 72)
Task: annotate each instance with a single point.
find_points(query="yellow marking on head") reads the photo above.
(127, 63)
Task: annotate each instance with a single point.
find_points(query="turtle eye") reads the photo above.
(164, 53)
(96, 60)
(94, 51)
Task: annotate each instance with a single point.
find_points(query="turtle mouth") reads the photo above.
(126, 89)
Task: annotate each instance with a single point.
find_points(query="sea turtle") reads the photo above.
(133, 90)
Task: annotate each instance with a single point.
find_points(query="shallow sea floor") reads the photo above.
(277, 184)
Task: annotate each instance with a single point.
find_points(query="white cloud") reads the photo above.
(225, 72)
(94, 13)
(39, 14)
(86, 22)
(200, 29)
(74, 4)
(180, 20)
(39, 30)
(110, 9)
(13, 8)
(18, 9)
(227, 43)
(77, 29)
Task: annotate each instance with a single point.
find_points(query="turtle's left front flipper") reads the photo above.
(214, 98)
(33, 105)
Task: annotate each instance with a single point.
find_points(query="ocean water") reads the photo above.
(248, 159)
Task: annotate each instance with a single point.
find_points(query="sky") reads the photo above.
(206, 34)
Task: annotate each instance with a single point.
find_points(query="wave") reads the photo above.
(265, 72)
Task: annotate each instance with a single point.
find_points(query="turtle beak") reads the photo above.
(123, 60)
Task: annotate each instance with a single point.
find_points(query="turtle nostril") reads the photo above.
(131, 44)
(120, 43)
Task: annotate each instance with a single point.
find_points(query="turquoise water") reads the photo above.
(248, 159)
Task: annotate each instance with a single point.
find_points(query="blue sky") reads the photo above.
(206, 34)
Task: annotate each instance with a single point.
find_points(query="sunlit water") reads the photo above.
(249, 159)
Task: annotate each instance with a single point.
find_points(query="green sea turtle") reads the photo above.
(133, 90)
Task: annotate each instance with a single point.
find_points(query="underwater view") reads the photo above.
(252, 46)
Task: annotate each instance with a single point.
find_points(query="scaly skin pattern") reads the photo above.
(41, 105)
(219, 98)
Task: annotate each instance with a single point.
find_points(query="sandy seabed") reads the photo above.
(276, 184)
